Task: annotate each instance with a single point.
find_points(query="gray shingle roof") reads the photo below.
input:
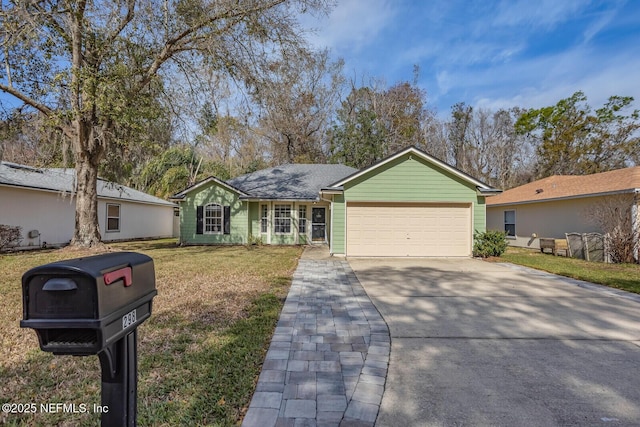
(63, 180)
(291, 181)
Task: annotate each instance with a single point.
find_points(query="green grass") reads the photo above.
(620, 276)
(199, 354)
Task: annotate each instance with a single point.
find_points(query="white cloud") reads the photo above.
(495, 53)
(597, 77)
(545, 13)
(352, 24)
(598, 25)
(444, 82)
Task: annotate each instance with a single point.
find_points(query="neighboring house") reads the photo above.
(409, 204)
(556, 205)
(42, 202)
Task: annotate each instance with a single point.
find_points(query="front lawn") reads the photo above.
(621, 276)
(199, 354)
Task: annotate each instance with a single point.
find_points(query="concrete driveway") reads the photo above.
(481, 344)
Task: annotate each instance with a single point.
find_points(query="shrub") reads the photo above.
(489, 243)
(255, 240)
(9, 236)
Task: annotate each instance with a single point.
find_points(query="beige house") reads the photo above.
(561, 204)
(42, 202)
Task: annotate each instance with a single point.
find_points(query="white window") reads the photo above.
(113, 217)
(510, 223)
(264, 219)
(302, 219)
(213, 219)
(282, 219)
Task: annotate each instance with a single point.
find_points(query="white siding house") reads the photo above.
(42, 202)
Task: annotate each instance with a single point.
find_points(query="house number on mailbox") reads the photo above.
(128, 319)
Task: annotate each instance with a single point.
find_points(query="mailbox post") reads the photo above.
(93, 305)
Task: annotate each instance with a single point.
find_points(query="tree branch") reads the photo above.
(172, 46)
(27, 100)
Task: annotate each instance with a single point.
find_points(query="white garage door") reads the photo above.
(408, 229)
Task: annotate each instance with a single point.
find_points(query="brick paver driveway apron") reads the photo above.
(327, 362)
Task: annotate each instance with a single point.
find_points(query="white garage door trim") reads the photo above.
(384, 229)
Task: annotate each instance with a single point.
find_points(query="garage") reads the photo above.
(407, 205)
(408, 229)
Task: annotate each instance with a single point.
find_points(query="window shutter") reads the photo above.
(199, 219)
(227, 220)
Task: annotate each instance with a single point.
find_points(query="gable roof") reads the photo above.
(181, 195)
(291, 181)
(285, 182)
(571, 186)
(63, 180)
(480, 186)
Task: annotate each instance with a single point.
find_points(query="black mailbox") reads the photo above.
(94, 305)
(83, 305)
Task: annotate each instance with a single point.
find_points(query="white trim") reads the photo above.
(324, 240)
(290, 220)
(331, 191)
(515, 222)
(294, 224)
(472, 225)
(306, 222)
(331, 226)
(269, 216)
(119, 217)
(331, 206)
(204, 219)
(418, 153)
(266, 218)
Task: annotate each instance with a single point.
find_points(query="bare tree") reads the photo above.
(26, 138)
(402, 109)
(484, 144)
(297, 98)
(619, 219)
(374, 122)
(434, 137)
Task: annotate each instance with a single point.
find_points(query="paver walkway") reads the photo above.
(327, 362)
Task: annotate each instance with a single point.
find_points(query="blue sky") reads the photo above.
(490, 53)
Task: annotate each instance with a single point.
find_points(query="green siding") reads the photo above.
(283, 239)
(213, 193)
(254, 220)
(338, 224)
(408, 178)
(480, 214)
(415, 180)
(245, 219)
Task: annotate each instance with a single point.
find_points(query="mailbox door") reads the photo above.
(53, 296)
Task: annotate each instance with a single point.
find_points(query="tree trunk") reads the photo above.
(88, 153)
(87, 232)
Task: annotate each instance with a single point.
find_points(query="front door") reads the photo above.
(318, 224)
